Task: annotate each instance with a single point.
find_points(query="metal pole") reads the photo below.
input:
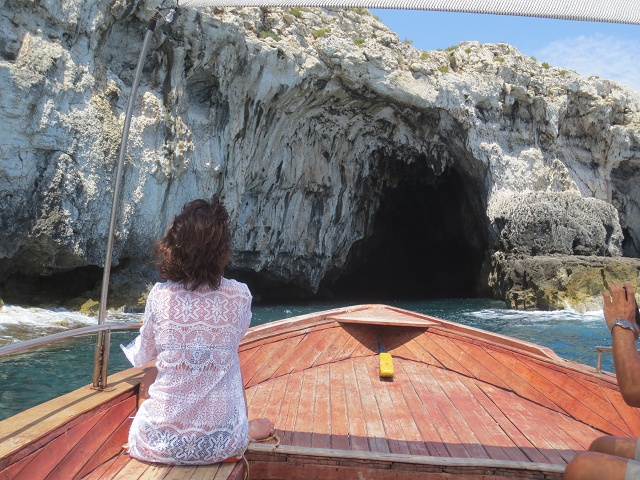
(101, 357)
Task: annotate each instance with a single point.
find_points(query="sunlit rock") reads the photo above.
(351, 163)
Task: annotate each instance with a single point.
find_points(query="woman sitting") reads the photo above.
(196, 409)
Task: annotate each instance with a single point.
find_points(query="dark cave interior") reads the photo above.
(426, 243)
(53, 289)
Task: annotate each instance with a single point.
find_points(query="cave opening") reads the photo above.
(54, 289)
(427, 242)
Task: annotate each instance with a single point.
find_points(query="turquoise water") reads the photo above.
(29, 379)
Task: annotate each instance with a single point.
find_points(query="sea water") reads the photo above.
(28, 379)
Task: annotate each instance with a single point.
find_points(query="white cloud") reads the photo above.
(607, 57)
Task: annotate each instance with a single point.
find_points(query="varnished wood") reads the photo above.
(277, 463)
(461, 395)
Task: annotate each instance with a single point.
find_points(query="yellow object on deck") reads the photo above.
(386, 365)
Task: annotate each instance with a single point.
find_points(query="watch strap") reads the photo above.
(621, 322)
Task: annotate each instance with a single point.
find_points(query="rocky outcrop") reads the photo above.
(350, 162)
(557, 282)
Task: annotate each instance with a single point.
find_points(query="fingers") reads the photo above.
(617, 294)
(629, 289)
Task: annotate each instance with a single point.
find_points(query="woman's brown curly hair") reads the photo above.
(197, 245)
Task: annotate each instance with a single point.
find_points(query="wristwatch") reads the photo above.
(621, 322)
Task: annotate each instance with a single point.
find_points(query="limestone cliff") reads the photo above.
(350, 162)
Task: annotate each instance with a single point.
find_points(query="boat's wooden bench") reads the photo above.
(293, 463)
(127, 468)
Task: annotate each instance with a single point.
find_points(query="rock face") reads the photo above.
(350, 162)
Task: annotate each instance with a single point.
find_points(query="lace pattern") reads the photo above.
(195, 413)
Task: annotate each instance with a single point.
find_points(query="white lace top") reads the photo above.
(196, 412)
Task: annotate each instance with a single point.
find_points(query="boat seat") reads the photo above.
(126, 468)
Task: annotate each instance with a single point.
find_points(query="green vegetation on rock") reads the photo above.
(361, 11)
(296, 12)
(269, 34)
(320, 32)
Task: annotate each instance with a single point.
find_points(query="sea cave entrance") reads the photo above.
(428, 241)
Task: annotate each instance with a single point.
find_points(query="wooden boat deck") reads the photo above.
(126, 468)
(463, 404)
(452, 395)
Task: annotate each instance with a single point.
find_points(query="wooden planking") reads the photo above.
(383, 316)
(301, 350)
(304, 416)
(438, 388)
(280, 354)
(518, 440)
(94, 441)
(259, 397)
(591, 400)
(114, 443)
(560, 399)
(353, 342)
(429, 342)
(282, 329)
(422, 355)
(514, 381)
(372, 416)
(49, 456)
(285, 422)
(13, 470)
(319, 345)
(321, 413)
(631, 416)
(423, 387)
(155, 471)
(26, 432)
(367, 343)
(494, 440)
(335, 348)
(339, 418)
(400, 349)
(355, 410)
(131, 470)
(388, 413)
(530, 420)
(474, 356)
(264, 355)
(181, 472)
(273, 407)
(108, 470)
(303, 471)
(580, 434)
(420, 415)
(137, 470)
(531, 352)
(293, 462)
(402, 411)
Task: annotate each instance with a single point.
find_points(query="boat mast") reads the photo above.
(101, 356)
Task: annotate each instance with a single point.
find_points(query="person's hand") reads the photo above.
(620, 302)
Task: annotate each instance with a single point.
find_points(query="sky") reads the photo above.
(610, 51)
